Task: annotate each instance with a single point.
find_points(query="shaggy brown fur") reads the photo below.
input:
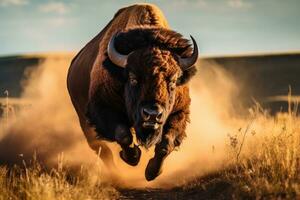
(108, 105)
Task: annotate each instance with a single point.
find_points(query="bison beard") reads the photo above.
(134, 76)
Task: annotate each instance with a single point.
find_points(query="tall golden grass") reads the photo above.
(272, 168)
(265, 155)
(34, 182)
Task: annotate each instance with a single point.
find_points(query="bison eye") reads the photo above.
(132, 79)
(172, 85)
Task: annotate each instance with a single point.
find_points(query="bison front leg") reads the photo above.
(123, 136)
(174, 132)
(113, 126)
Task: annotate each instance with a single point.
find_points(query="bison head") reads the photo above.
(154, 74)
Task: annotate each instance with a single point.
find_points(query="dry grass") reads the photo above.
(34, 182)
(269, 164)
(263, 159)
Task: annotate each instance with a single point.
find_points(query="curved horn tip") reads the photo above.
(117, 58)
(195, 44)
(186, 63)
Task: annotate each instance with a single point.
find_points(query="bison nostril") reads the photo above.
(152, 113)
(159, 116)
(145, 114)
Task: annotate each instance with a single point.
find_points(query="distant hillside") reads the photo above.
(258, 76)
(14, 69)
(268, 74)
(265, 78)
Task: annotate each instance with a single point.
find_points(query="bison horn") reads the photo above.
(117, 58)
(186, 63)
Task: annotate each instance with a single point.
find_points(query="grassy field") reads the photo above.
(35, 183)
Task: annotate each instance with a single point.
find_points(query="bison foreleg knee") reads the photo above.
(123, 136)
(162, 150)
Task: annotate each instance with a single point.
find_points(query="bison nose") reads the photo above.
(153, 113)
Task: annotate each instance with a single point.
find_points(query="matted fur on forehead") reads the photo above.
(137, 38)
(161, 61)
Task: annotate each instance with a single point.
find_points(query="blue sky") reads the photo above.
(219, 26)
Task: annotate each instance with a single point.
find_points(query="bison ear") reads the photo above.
(186, 76)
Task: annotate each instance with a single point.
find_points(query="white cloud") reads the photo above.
(183, 4)
(13, 2)
(56, 22)
(201, 3)
(239, 4)
(56, 7)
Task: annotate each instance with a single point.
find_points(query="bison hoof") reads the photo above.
(131, 156)
(153, 170)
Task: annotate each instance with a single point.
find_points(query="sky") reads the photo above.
(220, 27)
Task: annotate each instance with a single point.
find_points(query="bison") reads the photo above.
(132, 79)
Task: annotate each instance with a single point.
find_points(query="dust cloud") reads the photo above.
(49, 127)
